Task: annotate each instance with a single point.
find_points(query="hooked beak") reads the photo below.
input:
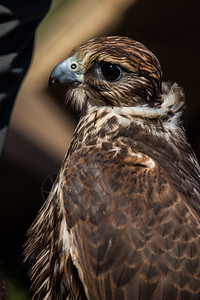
(65, 73)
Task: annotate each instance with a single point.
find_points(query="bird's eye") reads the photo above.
(110, 71)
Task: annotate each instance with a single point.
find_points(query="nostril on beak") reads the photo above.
(51, 81)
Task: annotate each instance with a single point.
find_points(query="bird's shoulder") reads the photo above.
(102, 173)
(130, 224)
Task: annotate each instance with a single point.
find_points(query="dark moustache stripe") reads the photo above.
(103, 98)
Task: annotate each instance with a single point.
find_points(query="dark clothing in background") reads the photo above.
(18, 21)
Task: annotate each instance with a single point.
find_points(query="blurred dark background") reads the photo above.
(42, 125)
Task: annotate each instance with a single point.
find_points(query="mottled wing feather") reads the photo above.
(134, 235)
(53, 274)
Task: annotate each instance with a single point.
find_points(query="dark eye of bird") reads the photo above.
(110, 71)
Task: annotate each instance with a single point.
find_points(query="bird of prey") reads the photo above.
(122, 220)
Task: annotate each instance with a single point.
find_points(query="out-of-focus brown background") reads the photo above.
(42, 125)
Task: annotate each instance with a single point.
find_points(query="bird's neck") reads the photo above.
(113, 126)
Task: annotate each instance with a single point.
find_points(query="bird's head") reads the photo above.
(111, 71)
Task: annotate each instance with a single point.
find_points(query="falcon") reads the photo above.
(122, 220)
